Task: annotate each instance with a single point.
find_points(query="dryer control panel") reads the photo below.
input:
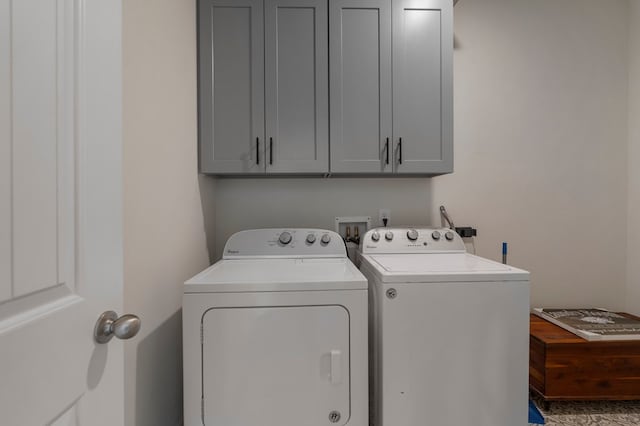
(411, 240)
(284, 242)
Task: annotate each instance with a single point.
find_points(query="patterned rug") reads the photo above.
(592, 413)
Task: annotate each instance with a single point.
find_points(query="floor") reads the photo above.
(599, 413)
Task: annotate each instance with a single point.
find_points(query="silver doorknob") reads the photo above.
(109, 325)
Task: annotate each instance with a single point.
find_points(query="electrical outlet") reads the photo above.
(384, 214)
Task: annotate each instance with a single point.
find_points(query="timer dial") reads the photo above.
(412, 234)
(285, 238)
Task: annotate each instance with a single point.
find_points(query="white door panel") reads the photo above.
(272, 366)
(5, 151)
(60, 211)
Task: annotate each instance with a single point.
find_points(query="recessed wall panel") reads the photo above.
(231, 82)
(419, 85)
(5, 150)
(296, 93)
(361, 84)
(34, 143)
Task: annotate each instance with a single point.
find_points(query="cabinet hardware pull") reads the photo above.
(270, 150)
(387, 149)
(400, 151)
(257, 150)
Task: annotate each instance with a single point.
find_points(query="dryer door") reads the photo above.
(276, 366)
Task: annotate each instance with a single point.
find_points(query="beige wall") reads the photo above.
(541, 119)
(540, 152)
(633, 259)
(164, 231)
(315, 202)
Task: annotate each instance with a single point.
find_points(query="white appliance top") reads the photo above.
(259, 261)
(430, 257)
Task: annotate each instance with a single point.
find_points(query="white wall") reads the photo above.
(540, 142)
(633, 259)
(163, 219)
(315, 202)
(540, 152)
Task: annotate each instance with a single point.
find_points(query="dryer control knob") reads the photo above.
(311, 238)
(326, 238)
(412, 234)
(449, 235)
(388, 236)
(435, 235)
(285, 238)
(375, 236)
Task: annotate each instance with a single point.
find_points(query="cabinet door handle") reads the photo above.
(270, 150)
(386, 148)
(400, 151)
(257, 150)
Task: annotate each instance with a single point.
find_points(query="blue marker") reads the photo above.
(504, 253)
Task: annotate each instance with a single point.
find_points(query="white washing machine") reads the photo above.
(275, 334)
(449, 332)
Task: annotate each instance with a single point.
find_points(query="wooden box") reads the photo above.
(563, 366)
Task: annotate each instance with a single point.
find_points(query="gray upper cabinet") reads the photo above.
(423, 86)
(263, 86)
(360, 49)
(391, 79)
(297, 86)
(231, 80)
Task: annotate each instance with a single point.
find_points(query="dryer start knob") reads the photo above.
(326, 239)
(449, 235)
(388, 236)
(311, 238)
(412, 234)
(285, 238)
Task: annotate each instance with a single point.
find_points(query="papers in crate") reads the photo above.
(593, 324)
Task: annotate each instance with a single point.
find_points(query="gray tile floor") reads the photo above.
(597, 413)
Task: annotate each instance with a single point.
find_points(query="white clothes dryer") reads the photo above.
(449, 332)
(275, 334)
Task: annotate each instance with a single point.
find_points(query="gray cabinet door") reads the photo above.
(360, 78)
(296, 86)
(422, 86)
(231, 86)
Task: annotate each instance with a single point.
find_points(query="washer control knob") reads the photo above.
(449, 236)
(311, 238)
(285, 238)
(326, 239)
(412, 234)
(375, 236)
(388, 236)
(435, 235)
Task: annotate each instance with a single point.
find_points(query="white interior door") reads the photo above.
(60, 211)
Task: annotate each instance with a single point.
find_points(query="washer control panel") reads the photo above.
(411, 240)
(289, 242)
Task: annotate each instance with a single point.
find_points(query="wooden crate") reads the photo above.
(563, 366)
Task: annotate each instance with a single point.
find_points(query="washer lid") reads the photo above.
(262, 275)
(439, 267)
